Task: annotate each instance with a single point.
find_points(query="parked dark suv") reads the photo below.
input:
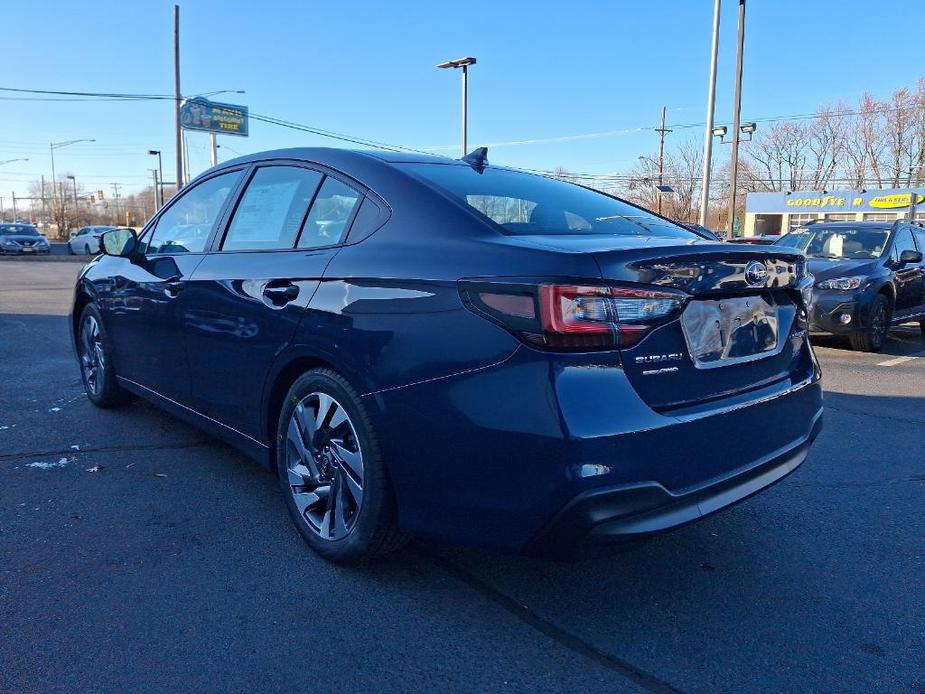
(450, 349)
(869, 276)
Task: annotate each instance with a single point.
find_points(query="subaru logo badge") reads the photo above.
(756, 274)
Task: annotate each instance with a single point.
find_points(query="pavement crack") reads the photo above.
(11, 457)
(564, 638)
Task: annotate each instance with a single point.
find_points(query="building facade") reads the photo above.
(776, 213)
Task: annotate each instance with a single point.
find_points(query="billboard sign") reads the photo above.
(836, 201)
(214, 117)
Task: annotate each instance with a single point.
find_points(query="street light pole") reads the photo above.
(734, 168)
(54, 179)
(708, 131)
(463, 63)
(159, 184)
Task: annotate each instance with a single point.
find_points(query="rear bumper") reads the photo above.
(630, 511)
(545, 450)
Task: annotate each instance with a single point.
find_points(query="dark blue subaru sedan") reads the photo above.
(443, 348)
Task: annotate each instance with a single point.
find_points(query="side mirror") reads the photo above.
(910, 257)
(122, 243)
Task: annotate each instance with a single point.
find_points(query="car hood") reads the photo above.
(20, 238)
(825, 269)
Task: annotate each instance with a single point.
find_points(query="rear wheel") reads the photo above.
(96, 363)
(871, 338)
(331, 472)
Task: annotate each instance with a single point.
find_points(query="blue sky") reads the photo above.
(545, 70)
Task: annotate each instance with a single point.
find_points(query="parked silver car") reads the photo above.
(21, 238)
(87, 240)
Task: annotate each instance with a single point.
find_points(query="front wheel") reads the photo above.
(331, 472)
(96, 363)
(871, 338)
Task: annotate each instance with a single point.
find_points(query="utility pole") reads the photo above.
(115, 194)
(661, 157)
(734, 168)
(177, 95)
(44, 212)
(213, 149)
(708, 131)
(15, 215)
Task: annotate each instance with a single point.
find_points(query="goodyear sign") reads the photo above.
(841, 201)
(214, 117)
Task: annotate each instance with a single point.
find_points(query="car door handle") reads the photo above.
(174, 287)
(282, 295)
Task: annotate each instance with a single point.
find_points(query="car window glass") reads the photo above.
(903, 242)
(522, 203)
(920, 239)
(272, 208)
(368, 218)
(185, 226)
(330, 212)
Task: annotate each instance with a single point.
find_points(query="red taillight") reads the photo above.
(574, 316)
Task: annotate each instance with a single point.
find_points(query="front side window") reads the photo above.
(903, 242)
(327, 220)
(920, 239)
(522, 203)
(185, 226)
(272, 208)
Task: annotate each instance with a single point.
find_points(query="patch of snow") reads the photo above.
(41, 465)
(55, 409)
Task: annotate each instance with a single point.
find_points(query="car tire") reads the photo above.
(922, 326)
(344, 510)
(70, 249)
(94, 357)
(871, 338)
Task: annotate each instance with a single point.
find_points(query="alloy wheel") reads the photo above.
(878, 325)
(92, 357)
(324, 464)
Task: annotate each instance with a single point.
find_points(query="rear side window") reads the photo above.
(185, 226)
(272, 208)
(330, 213)
(522, 203)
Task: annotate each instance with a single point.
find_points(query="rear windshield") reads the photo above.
(837, 243)
(522, 203)
(17, 230)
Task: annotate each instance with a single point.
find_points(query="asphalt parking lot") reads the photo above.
(139, 554)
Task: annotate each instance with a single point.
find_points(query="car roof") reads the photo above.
(335, 156)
